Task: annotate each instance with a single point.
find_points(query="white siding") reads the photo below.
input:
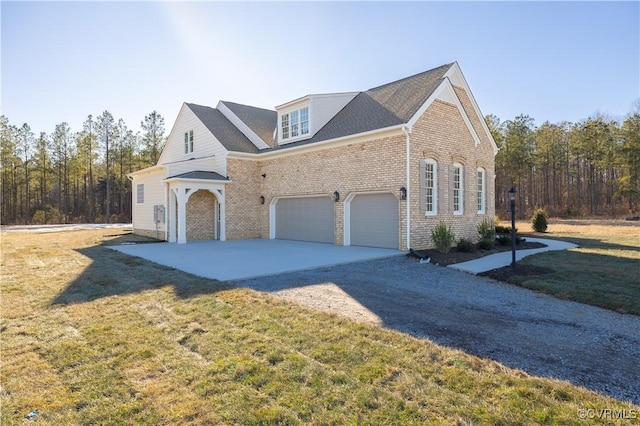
(324, 107)
(153, 195)
(204, 143)
(210, 164)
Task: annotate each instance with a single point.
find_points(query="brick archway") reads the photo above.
(201, 216)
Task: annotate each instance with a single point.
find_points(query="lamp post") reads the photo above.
(512, 202)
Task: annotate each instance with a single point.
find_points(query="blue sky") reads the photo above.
(551, 60)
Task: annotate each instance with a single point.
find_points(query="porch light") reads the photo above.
(403, 193)
(262, 199)
(336, 196)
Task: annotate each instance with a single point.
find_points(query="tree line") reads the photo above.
(71, 176)
(588, 168)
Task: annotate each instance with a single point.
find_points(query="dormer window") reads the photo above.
(295, 123)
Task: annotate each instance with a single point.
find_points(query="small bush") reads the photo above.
(486, 244)
(539, 220)
(466, 246)
(504, 240)
(39, 217)
(504, 230)
(487, 233)
(442, 237)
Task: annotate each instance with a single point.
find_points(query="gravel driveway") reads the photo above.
(542, 335)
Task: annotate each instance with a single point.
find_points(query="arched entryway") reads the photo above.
(202, 213)
(202, 218)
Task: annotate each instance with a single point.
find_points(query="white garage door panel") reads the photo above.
(374, 220)
(305, 219)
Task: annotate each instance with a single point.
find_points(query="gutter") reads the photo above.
(329, 143)
(407, 131)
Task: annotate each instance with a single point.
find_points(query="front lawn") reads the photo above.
(92, 336)
(604, 270)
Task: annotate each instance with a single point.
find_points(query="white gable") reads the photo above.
(208, 153)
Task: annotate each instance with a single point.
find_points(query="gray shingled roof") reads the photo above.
(228, 134)
(198, 174)
(262, 121)
(383, 106)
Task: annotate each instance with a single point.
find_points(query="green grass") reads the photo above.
(604, 270)
(92, 336)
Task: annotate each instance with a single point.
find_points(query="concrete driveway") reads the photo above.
(241, 259)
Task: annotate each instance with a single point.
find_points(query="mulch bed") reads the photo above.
(501, 274)
(506, 273)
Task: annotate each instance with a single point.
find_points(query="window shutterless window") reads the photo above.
(458, 185)
(140, 193)
(188, 142)
(295, 123)
(285, 126)
(429, 187)
(481, 195)
(430, 177)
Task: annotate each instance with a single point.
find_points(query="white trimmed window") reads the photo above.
(458, 192)
(481, 189)
(430, 187)
(188, 142)
(295, 123)
(140, 193)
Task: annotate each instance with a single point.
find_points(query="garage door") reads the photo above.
(305, 219)
(374, 220)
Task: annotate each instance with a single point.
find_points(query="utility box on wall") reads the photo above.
(158, 213)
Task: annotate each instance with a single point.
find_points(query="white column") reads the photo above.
(223, 225)
(182, 215)
(172, 215)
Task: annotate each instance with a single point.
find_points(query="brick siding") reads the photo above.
(201, 216)
(374, 165)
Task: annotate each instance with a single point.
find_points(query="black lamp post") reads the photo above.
(512, 202)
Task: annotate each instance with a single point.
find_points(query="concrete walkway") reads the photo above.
(499, 260)
(241, 259)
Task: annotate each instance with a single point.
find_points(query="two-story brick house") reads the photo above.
(376, 168)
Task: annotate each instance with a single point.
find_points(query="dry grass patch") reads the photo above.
(97, 337)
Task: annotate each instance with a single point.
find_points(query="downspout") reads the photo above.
(407, 131)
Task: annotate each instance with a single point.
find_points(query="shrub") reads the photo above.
(504, 240)
(442, 237)
(539, 220)
(39, 217)
(487, 229)
(486, 244)
(487, 233)
(504, 230)
(466, 246)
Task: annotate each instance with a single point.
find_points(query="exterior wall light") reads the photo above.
(336, 196)
(403, 193)
(262, 199)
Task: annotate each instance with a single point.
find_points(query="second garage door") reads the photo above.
(305, 219)
(374, 220)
